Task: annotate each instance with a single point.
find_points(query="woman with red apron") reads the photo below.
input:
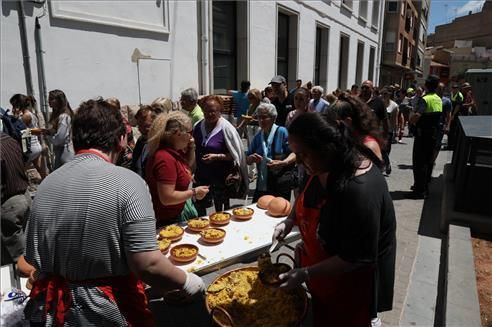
(340, 300)
(346, 219)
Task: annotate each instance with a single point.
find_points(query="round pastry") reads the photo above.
(264, 201)
(279, 207)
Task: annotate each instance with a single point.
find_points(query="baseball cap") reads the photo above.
(465, 85)
(410, 90)
(278, 79)
(455, 86)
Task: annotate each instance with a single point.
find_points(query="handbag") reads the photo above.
(282, 180)
(189, 211)
(235, 187)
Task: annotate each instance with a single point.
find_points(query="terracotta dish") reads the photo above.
(243, 213)
(220, 218)
(264, 201)
(164, 245)
(213, 235)
(171, 232)
(198, 224)
(184, 252)
(278, 207)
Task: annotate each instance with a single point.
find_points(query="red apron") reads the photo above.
(341, 300)
(126, 292)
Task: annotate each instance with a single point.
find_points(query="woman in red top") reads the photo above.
(361, 123)
(168, 172)
(347, 222)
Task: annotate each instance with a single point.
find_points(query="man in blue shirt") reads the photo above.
(241, 102)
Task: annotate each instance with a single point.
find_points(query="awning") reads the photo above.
(438, 64)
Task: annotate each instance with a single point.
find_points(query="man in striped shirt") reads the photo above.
(91, 235)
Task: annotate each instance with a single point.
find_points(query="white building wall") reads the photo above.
(86, 59)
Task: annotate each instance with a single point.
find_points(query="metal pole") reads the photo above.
(138, 79)
(25, 48)
(42, 77)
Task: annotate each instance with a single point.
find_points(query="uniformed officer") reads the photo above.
(426, 120)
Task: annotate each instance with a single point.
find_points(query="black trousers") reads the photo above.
(423, 158)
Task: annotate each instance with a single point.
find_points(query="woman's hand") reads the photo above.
(282, 229)
(276, 164)
(201, 192)
(254, 158)
(294, 278)
(210, 157)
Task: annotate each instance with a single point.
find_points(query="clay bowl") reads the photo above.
(164, 245)
(206, 235)
(243, 213)
(171, 232)
(178, 253)
(220, 218)
(278, 207)
(264, 201)
(198, 224)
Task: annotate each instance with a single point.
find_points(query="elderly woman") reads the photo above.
(347, 222)
(270, 151)
(168, 172)
(219, 153)
(249, 120)
(317, 103)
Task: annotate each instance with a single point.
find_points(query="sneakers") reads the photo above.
(376, 322)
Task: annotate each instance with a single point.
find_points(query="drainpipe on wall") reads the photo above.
(41, 71)
(25, 48)
(204, 38)
(380, 41)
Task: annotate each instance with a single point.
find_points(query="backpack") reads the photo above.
(11, 125)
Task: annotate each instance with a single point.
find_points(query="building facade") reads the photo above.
(139, 50)
(405, 30)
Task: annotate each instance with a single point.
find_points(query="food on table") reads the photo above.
(164, 244)
(264, 201)
(278, 207)
(250, 303)
(184, 252)
(220, 218)
(243, 213)
(213, 235)
(198, 224)
(172, 232)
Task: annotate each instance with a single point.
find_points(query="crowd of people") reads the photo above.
(89, 233)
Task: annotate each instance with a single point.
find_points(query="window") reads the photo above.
(360, 63)
(389, 41)
(348, 4)
(400, 43)
(363, 9)
(375, 13)
(372, 55)
(287, 46)
(343, 59)
(224, 45)
(321, 57)
(393, 6)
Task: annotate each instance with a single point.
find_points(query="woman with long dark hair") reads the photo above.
(347, 222)
(60, 132)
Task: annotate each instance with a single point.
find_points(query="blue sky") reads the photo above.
(442, 11)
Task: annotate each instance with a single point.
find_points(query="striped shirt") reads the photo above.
(85, 217)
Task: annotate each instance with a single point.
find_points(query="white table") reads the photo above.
(244, 240)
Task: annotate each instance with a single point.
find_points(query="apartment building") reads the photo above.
(139, 50)
(404, 35)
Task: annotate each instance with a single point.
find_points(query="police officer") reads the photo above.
(426, 120)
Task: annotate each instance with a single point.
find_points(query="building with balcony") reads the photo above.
(404, 39)
(88, 48)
